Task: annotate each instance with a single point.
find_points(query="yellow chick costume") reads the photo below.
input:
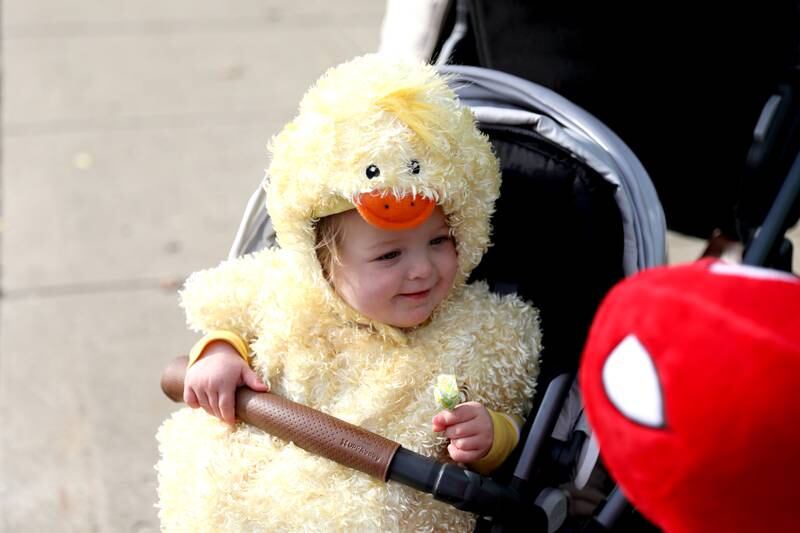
(315, 349)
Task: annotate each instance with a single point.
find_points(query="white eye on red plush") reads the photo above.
(631, 383)
(722, 268)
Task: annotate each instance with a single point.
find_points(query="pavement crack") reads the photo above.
(168, 285)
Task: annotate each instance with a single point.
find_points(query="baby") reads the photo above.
(380, 192)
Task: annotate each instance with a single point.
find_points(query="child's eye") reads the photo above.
(441, 239)
(387, 257)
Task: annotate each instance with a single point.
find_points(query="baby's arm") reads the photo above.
(497, 344)
(225, 301)
(478, 436)
(216, 370)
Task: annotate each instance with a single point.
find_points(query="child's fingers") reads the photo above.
(448, 418)
(202, 400)
(213, 403)
(459, 431)
(473, 442)
(438, 422)
(226, 408)
(252, 380)
(463, 456)
(478, 443)
(190, 398)
(462, 414)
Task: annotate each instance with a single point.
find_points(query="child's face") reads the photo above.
(395, 277)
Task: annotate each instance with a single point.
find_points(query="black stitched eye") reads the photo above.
(373, 172)
(414, 166)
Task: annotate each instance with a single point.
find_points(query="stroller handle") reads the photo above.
(362, 450)
(312, 430)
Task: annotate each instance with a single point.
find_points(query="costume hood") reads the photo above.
(373, 128)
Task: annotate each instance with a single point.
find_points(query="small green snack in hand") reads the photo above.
(446, 391)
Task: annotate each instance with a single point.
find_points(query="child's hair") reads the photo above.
(328, 236)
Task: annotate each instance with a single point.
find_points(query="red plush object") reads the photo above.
(691, 378)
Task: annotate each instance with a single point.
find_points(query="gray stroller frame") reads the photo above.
(513, 106)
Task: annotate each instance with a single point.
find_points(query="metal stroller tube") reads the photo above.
(773, 225)
(543, 425)
(357, 448)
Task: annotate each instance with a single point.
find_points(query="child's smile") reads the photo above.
(417, 295)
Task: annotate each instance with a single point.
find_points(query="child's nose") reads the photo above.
(421, 267)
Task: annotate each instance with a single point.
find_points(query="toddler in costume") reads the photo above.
(380, 192)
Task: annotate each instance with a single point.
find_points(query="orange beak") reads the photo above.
(390, 213)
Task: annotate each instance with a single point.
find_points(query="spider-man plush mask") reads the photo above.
(691, 377)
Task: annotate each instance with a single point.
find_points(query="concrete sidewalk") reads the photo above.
(133, 134)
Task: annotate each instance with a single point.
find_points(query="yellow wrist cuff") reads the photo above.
(506, 436)
(231, 338)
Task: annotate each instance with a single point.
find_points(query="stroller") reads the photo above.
(565, 171)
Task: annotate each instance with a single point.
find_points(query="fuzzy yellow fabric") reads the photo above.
(315, 349)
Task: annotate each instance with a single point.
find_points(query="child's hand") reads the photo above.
(469, 428)
(212, 381)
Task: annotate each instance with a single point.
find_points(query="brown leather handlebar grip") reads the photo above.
(312, 430)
